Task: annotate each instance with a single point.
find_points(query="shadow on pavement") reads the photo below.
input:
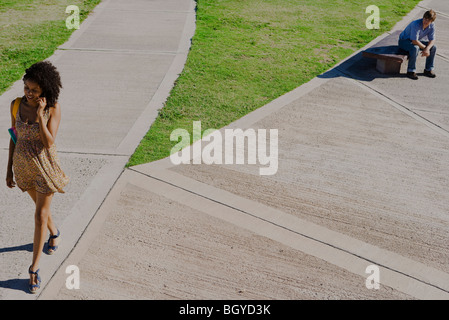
(15, 284)
(363, 68)
(359, 68)
(25, 247)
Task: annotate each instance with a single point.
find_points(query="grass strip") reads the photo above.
(245, 54)
(30, 31)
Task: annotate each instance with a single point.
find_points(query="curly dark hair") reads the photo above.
(47, 77)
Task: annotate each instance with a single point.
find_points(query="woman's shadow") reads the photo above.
(16, 284)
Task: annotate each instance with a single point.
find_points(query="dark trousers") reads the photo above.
(413, 51)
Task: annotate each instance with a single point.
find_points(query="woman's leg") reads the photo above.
(41, 220)
(51, 226)
(32, 194)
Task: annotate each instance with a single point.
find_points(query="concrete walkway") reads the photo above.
(362, 181)
(117, 71)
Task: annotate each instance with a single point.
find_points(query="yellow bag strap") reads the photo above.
(15, 108)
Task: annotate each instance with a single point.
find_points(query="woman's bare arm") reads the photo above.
(9, 173)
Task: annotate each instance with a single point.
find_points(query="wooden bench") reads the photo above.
(389, 56)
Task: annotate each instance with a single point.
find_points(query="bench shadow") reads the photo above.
(359, 68)
(364, 68)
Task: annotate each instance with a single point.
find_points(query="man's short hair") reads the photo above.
(431, 15)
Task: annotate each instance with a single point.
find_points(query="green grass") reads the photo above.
(245, 54)
(30, 31)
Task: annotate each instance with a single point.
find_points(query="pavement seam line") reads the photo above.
(438, 12)
(94, 153)
(155, 11)
(140, 127)
(442, 56)
(290, 230)
(81, 237)
(86, 153)
(401, 107)
(102, 50)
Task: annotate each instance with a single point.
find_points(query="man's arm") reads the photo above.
(419, 44)
(425, 49)
(430, 45)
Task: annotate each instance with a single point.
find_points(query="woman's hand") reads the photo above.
(10, 180)
(42, 104)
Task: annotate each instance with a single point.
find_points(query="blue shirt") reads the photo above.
(414, 31)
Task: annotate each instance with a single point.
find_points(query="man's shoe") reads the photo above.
(412, 75)
(429, 74)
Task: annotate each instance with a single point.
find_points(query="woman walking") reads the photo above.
(33, 159)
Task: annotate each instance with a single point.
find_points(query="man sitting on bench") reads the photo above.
(411, 38)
